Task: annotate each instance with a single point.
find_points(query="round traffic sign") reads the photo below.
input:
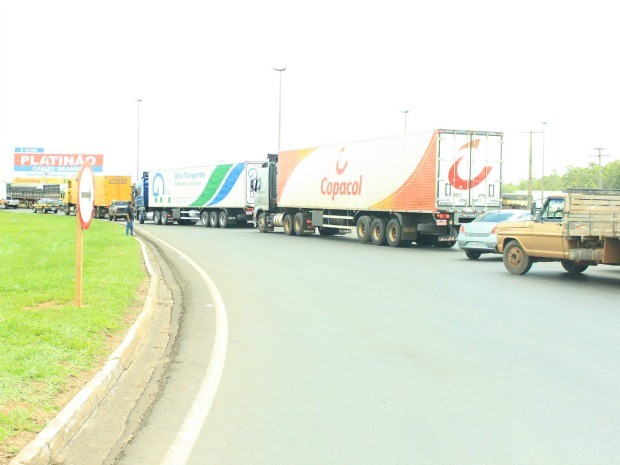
(86, 195)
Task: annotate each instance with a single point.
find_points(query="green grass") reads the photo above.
(46, 342)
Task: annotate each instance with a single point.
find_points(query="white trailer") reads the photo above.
(215, 195)
(415, 187)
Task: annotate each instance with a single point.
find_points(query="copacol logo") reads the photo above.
(464, 184)
(338, 186)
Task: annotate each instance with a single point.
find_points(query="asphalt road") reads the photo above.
(343, 353)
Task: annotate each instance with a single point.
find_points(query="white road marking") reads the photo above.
(184, 442)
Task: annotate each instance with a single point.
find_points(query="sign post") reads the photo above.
(85, 205)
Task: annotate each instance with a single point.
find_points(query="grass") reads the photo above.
(49, 347)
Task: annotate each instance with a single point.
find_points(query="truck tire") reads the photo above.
(393, 234)
(289, 230)
(364, 223)
(378, 229)
(204, 218)
(223, 219)
(299, 223)
(515, 259)
(157, 217)
(262, 223)
(213, 220)
(572, 267)
(140, 215)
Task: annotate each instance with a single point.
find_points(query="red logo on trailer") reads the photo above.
(464, 184)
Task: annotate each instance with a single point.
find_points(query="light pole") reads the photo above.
(529, 177)
(279, 70)
(542, 179)
(405, 113)
(138, 144)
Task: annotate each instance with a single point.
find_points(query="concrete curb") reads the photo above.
(56, 435)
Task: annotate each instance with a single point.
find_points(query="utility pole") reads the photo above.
(600, 168)
(529, 177)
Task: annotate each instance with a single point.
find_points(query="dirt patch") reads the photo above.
(11, 446)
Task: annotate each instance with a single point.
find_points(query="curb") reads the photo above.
(59, 431)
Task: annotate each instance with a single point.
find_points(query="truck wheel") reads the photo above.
(223, 219)
(288, 225)
(213, 219)
(262, 223)
(204, 218)
(472, 255)
(299, 224)
(140, 216)
(515, 259)
(364, 223)
(572, 267)
(157, 217)
(393, 234)
(377, 231)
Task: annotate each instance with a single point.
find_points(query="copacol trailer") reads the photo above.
(396, 190)
(216, 195)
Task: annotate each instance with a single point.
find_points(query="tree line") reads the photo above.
(575, 177)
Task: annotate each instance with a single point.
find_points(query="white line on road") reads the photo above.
(184, 442)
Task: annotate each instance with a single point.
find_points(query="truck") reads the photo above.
(217, 195)
(394, 190)
(578, 228)
(28, 194)
(6, 201)
(107, 189)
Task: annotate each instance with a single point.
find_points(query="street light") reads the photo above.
(405, 113)
(138, 144)
(279, 70)
(542, 179)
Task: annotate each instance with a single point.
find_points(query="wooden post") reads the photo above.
(79, 247)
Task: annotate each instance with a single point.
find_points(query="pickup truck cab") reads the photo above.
(579, 228)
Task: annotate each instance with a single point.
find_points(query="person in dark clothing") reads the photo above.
(129, 217)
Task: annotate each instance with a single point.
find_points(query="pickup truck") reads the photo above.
(579, 228)
(9, 203)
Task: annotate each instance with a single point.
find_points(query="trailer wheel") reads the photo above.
(204, 218)
(223, 219)
(364, 223)
(299, 223)
(262, 223)
(164, 217)
(393, 234)
(289, 230)
(572, 267)
(515, 259)
(213, 219)
(377, 231)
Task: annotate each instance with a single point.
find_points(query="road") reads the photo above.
(343, 353)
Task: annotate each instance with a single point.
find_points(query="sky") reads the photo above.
(71, 73)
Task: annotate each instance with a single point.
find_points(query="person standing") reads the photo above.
(129, 216)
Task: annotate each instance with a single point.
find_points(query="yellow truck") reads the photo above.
(579, 228)
(107, 189)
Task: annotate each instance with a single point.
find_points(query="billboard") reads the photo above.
(59, 164)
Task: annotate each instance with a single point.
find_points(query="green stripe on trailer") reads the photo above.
(213, 184)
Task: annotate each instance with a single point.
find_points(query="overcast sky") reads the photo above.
(70, 73)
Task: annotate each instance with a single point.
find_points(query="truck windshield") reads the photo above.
(553, 210)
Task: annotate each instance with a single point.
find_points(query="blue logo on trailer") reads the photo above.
(157, 184)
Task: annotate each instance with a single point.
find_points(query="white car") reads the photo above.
(479, 237)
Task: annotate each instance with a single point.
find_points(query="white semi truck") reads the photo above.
(215, 195)
(395, 190)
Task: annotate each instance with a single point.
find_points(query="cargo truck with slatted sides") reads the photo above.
(217, 196)
(579, 228)
(395, 190)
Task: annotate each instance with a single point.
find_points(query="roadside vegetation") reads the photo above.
(575, 177)
(49, 348)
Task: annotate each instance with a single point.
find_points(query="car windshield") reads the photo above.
(121, 204)
(495, 217)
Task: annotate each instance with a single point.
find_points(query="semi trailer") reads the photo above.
(216, 195)
(393, 190)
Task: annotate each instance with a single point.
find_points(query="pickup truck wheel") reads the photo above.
(363, 228)
(377, 231)
(204, 218)
(472, 255)
(289, 229)
(515, 259)
(572, 267)
(213, 219)
(262, 223)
